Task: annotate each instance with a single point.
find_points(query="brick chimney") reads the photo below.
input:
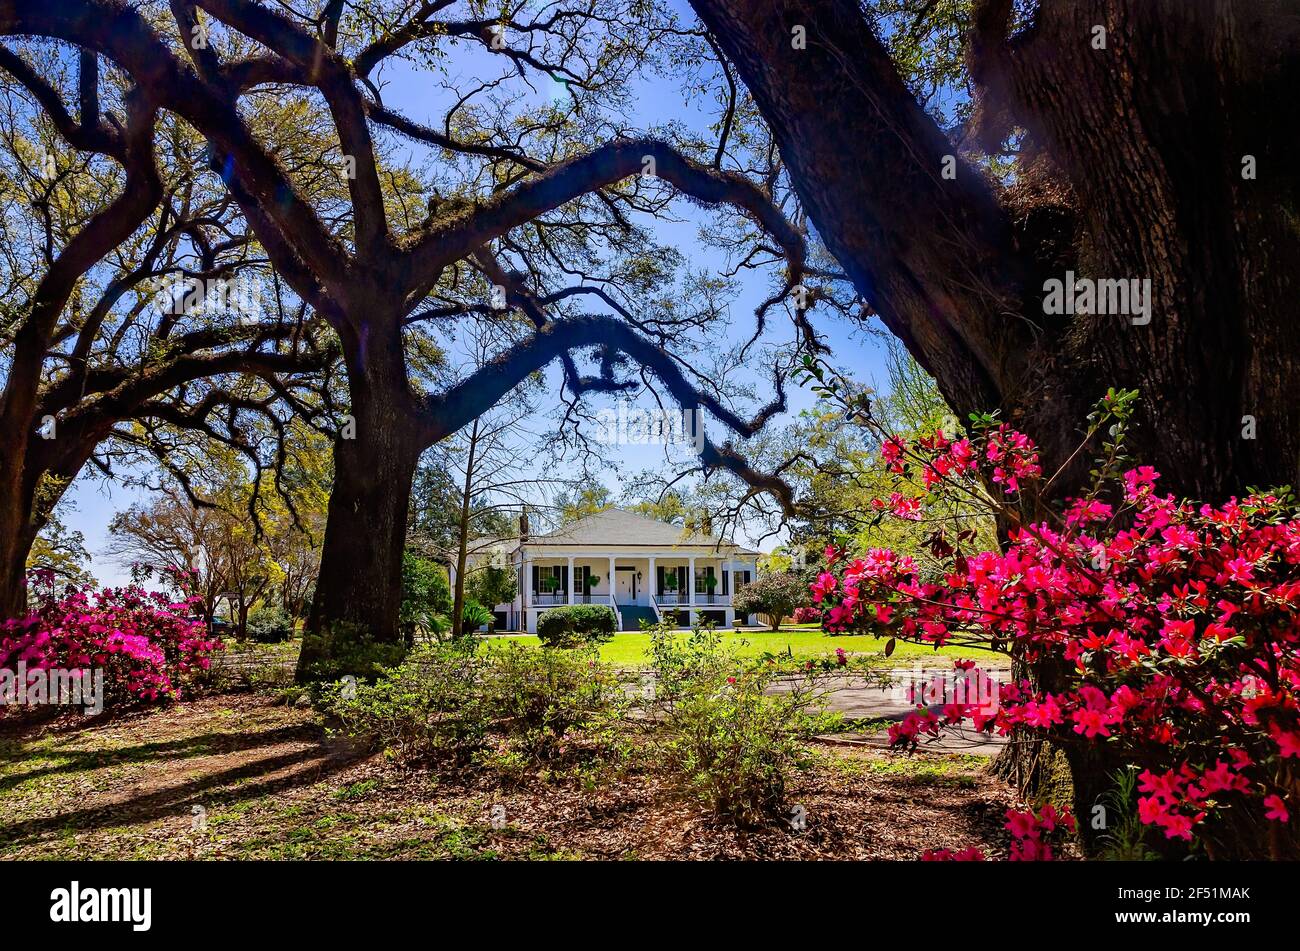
(523, 526)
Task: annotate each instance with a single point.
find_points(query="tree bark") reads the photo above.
(17, 535)
(358, 594)
(1137, 173)
(32, 481)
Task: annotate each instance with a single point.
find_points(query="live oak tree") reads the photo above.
(376, 271)
(95, 231)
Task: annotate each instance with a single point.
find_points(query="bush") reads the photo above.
(491, 586)
(426, 595)
(270, 625)
(545, 697)
(1165, 633)
(772, 596)
(576, 624)
(452, 706)
(147, 646)
(347, 650)
(735, 745)
(431, 709)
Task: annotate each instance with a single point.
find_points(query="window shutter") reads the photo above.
(659, 581)
(537, 577)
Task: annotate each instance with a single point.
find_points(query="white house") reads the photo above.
(658, 574)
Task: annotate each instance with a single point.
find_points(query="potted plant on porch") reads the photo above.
(590, 582)
(549, 585)
(710, 582)
(670, 586)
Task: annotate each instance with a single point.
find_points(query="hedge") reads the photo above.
(576, 624)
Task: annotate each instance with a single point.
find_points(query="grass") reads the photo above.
(630, 648)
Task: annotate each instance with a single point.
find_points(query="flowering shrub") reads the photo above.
(948, 855)
(1176, 625)
(806, 615)
(1034, 836)
(147, 645)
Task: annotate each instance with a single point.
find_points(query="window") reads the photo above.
(557, 572)
(678, 574)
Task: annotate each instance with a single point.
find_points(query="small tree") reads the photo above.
(772, 597)
(491, 586)
(426, 595)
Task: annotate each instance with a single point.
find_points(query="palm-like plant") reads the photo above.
(474, 616)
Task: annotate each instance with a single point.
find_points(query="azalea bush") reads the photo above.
(724, 731)
(1035, 837)
(455, 707)
(1173, 626)
(148, 645)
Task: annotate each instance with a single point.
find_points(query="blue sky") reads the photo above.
(92, 502)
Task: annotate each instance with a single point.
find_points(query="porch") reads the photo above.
(684, 589)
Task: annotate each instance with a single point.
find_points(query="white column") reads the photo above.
(611, 579)
(690, 582)
(569, 582)
(654, 591)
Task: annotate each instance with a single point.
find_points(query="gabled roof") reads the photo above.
(617, 527)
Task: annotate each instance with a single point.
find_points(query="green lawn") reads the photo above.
(629, 648)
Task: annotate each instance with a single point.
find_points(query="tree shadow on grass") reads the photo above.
(206, 744)
(225, 787)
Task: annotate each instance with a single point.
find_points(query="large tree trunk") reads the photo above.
(16, 538)
(1137, 174)
(32, 481)
(352, 627)
(18, 475)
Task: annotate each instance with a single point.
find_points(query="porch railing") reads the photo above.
(679, 598)
(552, 598)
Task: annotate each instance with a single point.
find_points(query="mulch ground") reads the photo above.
(238, 777)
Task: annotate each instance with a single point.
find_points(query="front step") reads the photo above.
(630, 616)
